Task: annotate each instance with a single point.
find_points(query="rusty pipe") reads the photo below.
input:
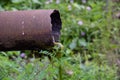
(28, 30)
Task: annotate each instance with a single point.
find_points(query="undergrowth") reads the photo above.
(90, 35)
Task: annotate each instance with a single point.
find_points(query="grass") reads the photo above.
(90, 35)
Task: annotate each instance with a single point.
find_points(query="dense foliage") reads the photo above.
(90, 35)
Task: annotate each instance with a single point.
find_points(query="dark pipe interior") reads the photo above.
(56, 25)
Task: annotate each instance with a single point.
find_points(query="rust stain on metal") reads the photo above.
(27, 30)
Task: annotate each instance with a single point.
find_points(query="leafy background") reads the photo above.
(90, 35)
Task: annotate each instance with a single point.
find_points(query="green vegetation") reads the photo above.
(91, 39)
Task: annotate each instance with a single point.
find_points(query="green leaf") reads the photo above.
(17, 1)
(78, 6)
(73, 45)
(82, 42)
(1, 8)
(36, 1)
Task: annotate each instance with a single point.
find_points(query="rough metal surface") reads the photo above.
(27, 30)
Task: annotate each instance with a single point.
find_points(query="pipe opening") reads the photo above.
(56, 25)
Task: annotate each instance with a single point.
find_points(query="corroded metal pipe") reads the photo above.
(28, 30)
